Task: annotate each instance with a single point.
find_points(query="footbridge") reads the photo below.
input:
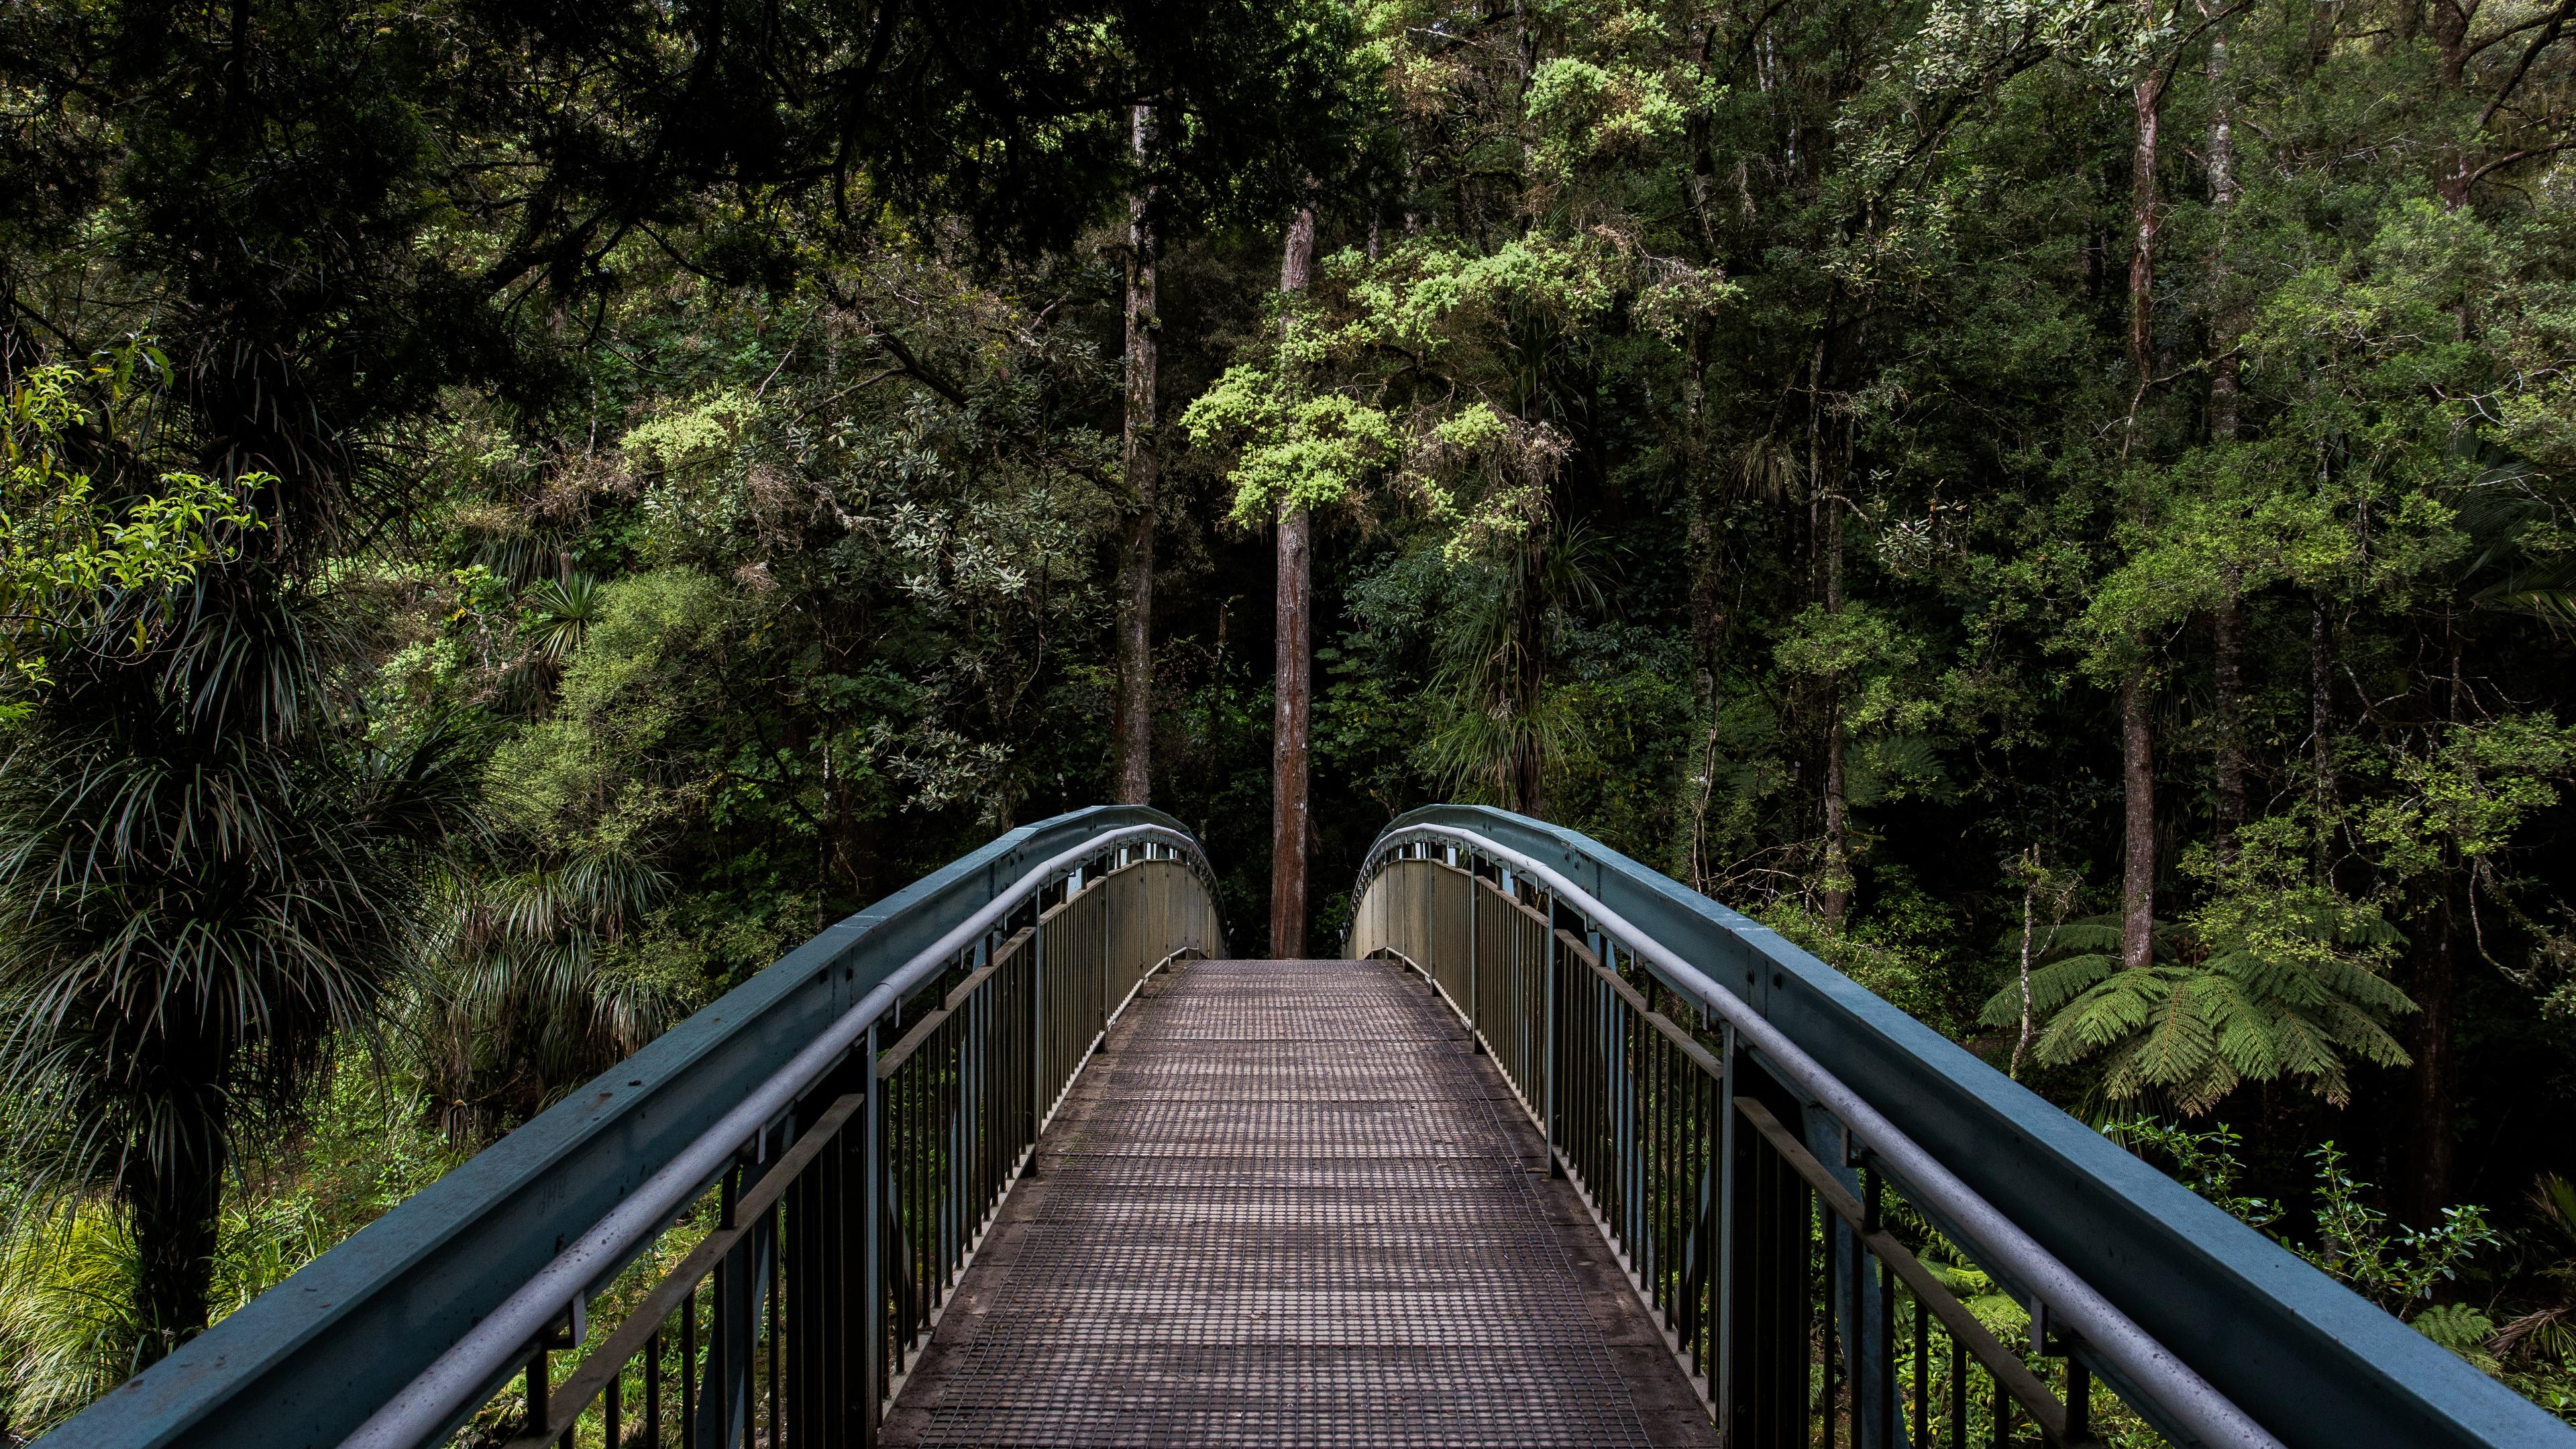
(1558, 1152)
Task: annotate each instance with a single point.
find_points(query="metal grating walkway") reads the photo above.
(1289, 1205)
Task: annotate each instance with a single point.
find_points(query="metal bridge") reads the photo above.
(1562, 1153)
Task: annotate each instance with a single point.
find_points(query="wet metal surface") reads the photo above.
(1289, 1206)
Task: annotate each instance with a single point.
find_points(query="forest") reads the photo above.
(516, 515)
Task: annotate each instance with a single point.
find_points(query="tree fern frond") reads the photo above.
(2274, 976)
(2059, 982)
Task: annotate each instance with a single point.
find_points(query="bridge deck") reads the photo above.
(1289, 1205)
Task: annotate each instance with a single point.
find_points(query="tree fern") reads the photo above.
(2273, 976)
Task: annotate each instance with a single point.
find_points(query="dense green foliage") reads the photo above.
(518, 514)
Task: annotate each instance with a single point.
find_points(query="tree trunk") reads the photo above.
(1707, 616)
(1838, 879)
(1134, 731)
(2321, 710)
(2137, 744)
(1522, 780)
(1288, 751)
(2225, 326)
(2029, 1027)
(2138, 781)
(826, 835)
(176, 1207)
(1701, 538)
(1293, 683)
(2227, 625)
(2448, 25)
(2435, 989)
(2228, 670)
(2147, 102)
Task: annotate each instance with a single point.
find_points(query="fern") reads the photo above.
(2275, 976)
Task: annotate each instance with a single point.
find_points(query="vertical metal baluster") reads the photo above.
(1764, 1338)
(1704, 1228)
(1037, 1034)
(1777, 1339)
(1596, 1089)
(1596, 1092)
(777, 1215)
(1657, 1182)
(653, 1390)
(1958, 1393)
(1659, 1177)
(1668, 1148)
(723, 1315)
(1721, 1276)
(1679, 1090)
(2079, 1399)
(1922, 1373)
(689, 1368)
(1681, 1208)
(1869, 1345)
(1825, 1219)
(537, 1390)
(1676, 1163)
(904, 1143)
(872, 1283)
(1886, 1355)
(1681, 1202)
(2003, 1415)
(807, 1332)
(1480, 964)
(1548, 1126)
(612, 1408)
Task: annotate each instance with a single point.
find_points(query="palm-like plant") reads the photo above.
(559, 615)
(1506, 729)
(208, 886)
(210, 877)
(524, 996)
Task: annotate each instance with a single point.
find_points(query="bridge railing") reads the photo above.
(745, 1232)
(1782, 1160)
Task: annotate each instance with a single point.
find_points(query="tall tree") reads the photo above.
(1133, 743)
(2137, 730)
(2227, 616)
(1293, 683)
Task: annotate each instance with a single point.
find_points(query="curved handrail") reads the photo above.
(2218, 1333)
(414, 1319)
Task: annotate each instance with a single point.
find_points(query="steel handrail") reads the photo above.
(307, 1363)
(2149, 1365)
(2302, 1355)
(457, 1379)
